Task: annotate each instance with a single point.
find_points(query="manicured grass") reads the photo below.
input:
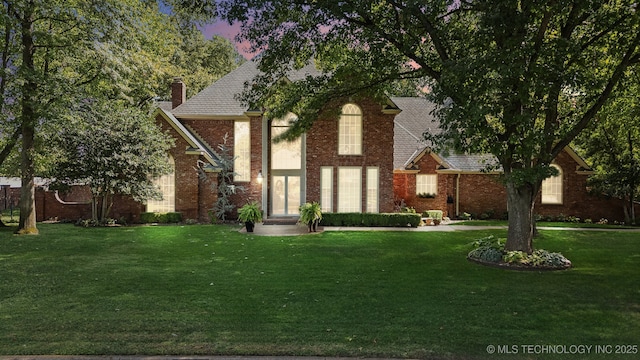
(200, 290)
(545, 224)
(10, 217)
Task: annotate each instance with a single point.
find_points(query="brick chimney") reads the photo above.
(178, 92)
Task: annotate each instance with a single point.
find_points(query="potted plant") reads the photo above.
(310, 215)
(250, 214)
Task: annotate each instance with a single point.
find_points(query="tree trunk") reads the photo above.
(94, 208)
(520, 200)
(29, 116)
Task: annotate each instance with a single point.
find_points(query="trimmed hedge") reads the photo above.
(371, 219)
(162, 218)
(434, 214)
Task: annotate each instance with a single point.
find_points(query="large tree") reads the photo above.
(51, 50)
(113, 149)
(56, 53)
(612, 145)
(516, 79)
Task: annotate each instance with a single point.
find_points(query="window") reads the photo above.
(326, 189)
(350, 131)
(349, 189)
(242, 151)
(552, 188)
(285, 155)
(427, 184)
(167, 186)
(372, 189)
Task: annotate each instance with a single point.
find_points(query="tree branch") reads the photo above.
(602, 98)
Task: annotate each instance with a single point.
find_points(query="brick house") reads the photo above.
(369, 158)
(344, 163)
(456, 183)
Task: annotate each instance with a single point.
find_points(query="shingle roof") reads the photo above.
(220, 98)
(473, 162)
(416, 119)
(196, 145)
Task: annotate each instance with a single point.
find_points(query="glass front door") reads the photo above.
(285, 195)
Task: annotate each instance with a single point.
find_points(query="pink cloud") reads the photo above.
(230, 32)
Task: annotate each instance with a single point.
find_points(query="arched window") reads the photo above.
(350, 130)
(552, 188)
(167, 185)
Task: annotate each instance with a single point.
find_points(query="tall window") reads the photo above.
(349, 189)
(552, 188)
(372, 189)
(167, 186)
(350, 131)
(326, 189)
(242, 151)
(426, 184)
(285, 155)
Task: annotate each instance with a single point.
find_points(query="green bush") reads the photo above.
(491, 249)
(434, 214)
(161, 218)
(487, 254)
(371, 219)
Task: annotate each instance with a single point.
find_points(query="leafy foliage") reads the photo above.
(612, 145)
(225, 187)
(491, 250)
(250, 212)
(518, 80)
(113, 149)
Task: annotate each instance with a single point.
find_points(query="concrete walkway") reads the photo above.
(292, 230)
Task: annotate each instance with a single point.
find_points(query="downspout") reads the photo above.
(458, 195)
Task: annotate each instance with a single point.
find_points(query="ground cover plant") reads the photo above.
(201, 290)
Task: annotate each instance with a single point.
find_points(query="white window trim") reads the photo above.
(373, 205)
(326, 184)
(242, 155)
(552, 184)
(357, 193)
(167, 185)
(343, 147)
(429, 187)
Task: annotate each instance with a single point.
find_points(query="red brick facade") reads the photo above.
(377, 151)
(483, 194)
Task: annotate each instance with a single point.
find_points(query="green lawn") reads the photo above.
(200, 290)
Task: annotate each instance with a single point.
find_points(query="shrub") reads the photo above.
(370, 219)
(487, 254)
(161, 218)
(434, 214)
(489, 249)
(465, 216)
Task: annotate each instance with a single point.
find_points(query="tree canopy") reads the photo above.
(58, 53)
(516, 79)
(612, 145)
(113, 149)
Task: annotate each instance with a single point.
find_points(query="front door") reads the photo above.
(285, 195)
(287, 182)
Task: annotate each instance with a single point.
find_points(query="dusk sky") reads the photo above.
(222, 28)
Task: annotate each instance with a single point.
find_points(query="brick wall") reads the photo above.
(484, 194)
(213, 133)
(377, 151)
(405, 187)
(74, 206)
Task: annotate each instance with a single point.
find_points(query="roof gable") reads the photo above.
(196, 146)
